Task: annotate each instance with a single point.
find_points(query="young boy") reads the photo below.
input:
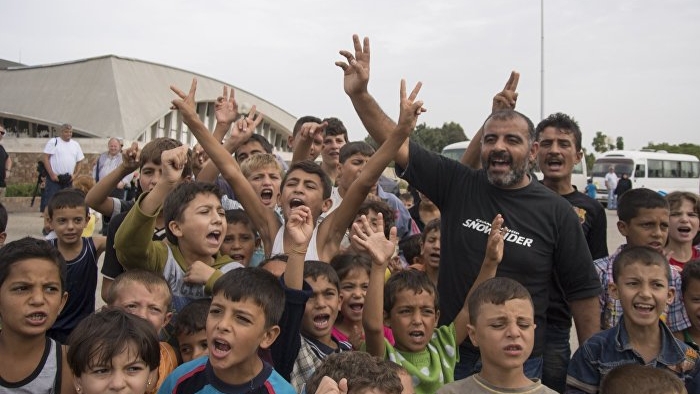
(430, 249)
(361, 372)
(683, 227)
(190, 330)
(407, 199)
(690, 292)
(68, 214)
(32, 294)
(240, 241)
(409, 306)
(243, 318)
(304, 184)
(641, 278)
(147, 295)
(195, 228)
(643, 220)
(335, 136)
(502, 325)
(640, 379)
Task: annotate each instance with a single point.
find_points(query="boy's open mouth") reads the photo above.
(296, 202)
(646, 308)
(416, 334)
(356, 307)
(266, 194)
(214, 236)
(37, 317)
(321, 321)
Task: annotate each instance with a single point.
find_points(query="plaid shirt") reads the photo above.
(311, 355)
(675, 315)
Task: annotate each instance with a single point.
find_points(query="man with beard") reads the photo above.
(544, 240)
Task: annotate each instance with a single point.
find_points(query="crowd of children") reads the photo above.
(312, 279)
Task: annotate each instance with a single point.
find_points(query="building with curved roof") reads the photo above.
(114, 96)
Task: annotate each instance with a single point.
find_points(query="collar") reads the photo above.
(671, 352)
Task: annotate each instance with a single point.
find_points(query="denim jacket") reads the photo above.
(611, 348)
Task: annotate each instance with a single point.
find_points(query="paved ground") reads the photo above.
(23, 224)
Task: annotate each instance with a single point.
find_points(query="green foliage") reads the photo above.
(20, 190)
(433, 138)
(687, 148)
(590, 159)
(601, 142)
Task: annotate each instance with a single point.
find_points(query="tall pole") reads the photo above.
(541, 59)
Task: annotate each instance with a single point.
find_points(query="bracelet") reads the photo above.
(298, 251)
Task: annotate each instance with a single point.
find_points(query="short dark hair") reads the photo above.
(691, 271)
(192, 318)
(310, 167)
(407, 196)
(315, 269)
(153, 150)
(410, 247)
(177, 201)
(104, 335)
(266, 145)
(362, 371)
(416, 281)
(234, 216)
(634, 378)
(639, 255)
(495, 291)
(635, 199)
(335, 127)
(508, 114)
(67, 198)
(300, 122)
(563, 123)
(355, 147)
(30, 248)
(149, 279)
(3, 218)
(431, 226)
(379, 206)
(343, 263)
(254, 284)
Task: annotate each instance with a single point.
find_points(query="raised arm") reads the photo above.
(306, 138)
(493, 257)
(356, 79)
(381, 250)
(333, 228)
(297, 234)
(265, 219)
(98, 197)
(505, 99)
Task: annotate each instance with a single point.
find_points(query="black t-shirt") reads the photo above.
(544, 239)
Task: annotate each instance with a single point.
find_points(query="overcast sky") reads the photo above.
(627, 68)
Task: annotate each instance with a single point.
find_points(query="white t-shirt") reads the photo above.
(64, 155)
(611, 180)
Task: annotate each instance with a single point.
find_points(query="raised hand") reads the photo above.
(329, 386)
(186, 103)
(173, 162)
(506, 98)
(494, 245)
(299, 227)
(310, 129)
(250, 123)
(226, 107)
(376, 244)
(130, 157)
(199, 273)
(410, 108)
(356, 69)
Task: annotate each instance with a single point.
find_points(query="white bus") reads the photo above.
(578, 177)
(657, 170)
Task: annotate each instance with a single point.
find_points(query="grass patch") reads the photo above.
(20, 190)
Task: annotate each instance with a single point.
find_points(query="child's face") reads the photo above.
(430, 250)
(68, 223)
(321, 309)
(644, 292)
(505, 334)
(201, 230)
(235, 330)
(239, 242)
(408, 203)
(266, 182)
(149, 176)
(372, 218)
(303, 188)
(683, 223)
(31, 297)
(330, 153)
(127, 374)
(648, 228)
(249, 149)
(193, 346)
(151, 305)
(413, 319)
(691, 301)
(350, 170)
(353, 289)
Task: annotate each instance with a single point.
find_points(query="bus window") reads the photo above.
(655, 168)
(639, 171)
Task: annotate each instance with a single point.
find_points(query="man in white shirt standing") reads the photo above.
(108, 162)
(611, 184)
(60, 158)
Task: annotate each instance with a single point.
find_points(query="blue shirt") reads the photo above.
(612, 348)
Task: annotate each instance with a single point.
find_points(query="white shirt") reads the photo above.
(611, 180)
(64, 155)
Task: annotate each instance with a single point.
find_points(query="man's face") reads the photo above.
(249, 149)
(330, 153)
(505, 152)
(557, 154)
(113, 147)
(66, 134)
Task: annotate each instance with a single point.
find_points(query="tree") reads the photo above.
(433, 138)
(590, 159)
(600, 142)
(619, 143)
(687, 148)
